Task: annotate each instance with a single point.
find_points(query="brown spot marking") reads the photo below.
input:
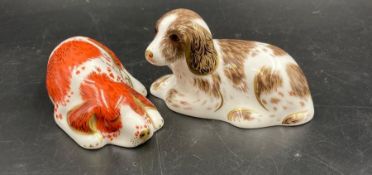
(264, 102)
(294, 118)
(277, 51)
(234, 53)
(239, 114)
(275, 100)
(156, 85)
(184, 103)
(171, 94)
(285, 107)
(281, 94)
(275, 108)
(203, 85)
(265, 81)
(298, 81)
(302, 103)
(210, 88)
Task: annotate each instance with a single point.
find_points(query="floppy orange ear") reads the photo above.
(79, 117)
(201, 57)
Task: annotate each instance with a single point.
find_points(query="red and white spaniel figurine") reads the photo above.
(246, 83)
(96, 101)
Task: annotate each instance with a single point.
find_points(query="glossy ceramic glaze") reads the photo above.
(246, 83)
(96, 101)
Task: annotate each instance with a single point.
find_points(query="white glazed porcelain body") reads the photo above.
(96, 101)
(250, 85)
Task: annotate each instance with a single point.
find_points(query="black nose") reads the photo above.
(144, 134)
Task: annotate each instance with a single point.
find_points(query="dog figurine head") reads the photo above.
(182, 34)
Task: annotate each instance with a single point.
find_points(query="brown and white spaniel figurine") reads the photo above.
(246, 83)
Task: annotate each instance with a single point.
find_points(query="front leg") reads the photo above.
(162, 85)
(197, 105)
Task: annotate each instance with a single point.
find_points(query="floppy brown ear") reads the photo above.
(201, 56)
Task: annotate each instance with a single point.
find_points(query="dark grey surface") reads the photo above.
(331, 40)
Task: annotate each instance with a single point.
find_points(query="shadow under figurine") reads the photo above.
(246, 83)
(96, 101)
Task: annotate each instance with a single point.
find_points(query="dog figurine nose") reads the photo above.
(144, 134)
(149, 55)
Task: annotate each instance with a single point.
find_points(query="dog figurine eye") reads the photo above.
(155, 30)
(174, 38)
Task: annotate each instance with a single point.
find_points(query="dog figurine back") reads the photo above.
(96, 101)
(246, 83)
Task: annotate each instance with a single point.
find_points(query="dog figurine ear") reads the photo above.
(200, 52)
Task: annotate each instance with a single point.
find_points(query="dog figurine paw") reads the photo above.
(246, 83)
(96, 101)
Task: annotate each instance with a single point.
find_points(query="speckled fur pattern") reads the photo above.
(134, 128)
(253, 84)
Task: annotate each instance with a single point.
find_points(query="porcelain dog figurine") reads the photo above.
(248, 84)
(96, 101)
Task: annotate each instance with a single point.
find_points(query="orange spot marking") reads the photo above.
(101, 100)
(63, 59)
(110, 52)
